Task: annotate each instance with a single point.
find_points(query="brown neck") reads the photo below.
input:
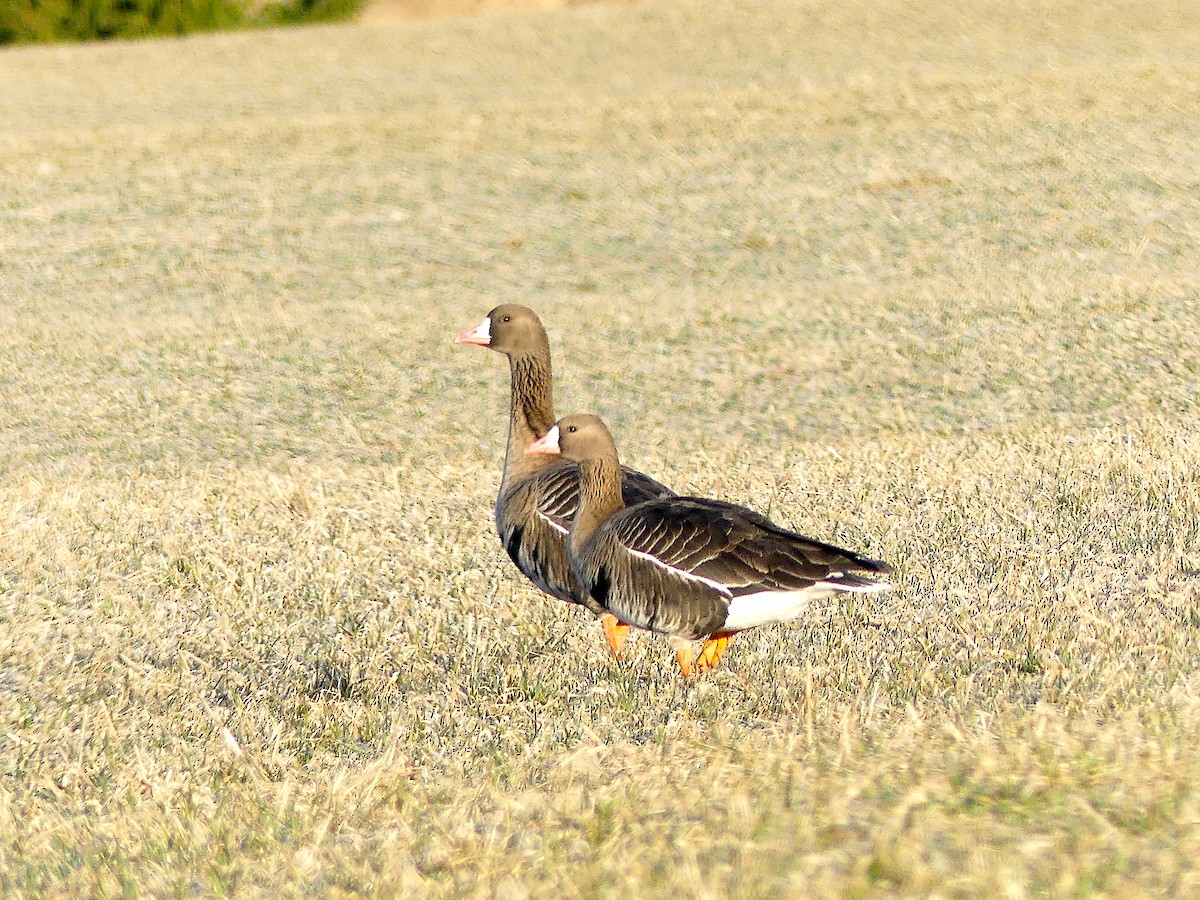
(599, 496)
(531, 411)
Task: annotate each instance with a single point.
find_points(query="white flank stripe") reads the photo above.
(552, 523)
(679, 573)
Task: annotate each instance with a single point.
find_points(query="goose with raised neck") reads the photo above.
(539, 495)
(690, 567)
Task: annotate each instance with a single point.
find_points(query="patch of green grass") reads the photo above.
(48, 21)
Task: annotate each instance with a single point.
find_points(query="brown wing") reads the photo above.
(737, 548)
(674, 564)
(558, 487)
(534, 516)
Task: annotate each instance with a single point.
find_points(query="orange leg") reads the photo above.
(615, 631)
(712, 651)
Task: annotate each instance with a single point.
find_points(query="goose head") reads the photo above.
(577, 438)
(509, 328)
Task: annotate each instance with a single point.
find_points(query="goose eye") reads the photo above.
(571, 429)
(506, 319)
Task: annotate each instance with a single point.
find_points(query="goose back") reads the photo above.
(678, 565)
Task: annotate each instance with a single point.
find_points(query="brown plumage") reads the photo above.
(690, 567)
(539, 495)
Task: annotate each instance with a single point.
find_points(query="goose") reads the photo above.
(538, 495)
(689, 567)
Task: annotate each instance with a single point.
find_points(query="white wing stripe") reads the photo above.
(553, 524)
(679, 573)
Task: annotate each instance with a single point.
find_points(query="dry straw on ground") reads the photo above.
(920, 279)
(381, 11)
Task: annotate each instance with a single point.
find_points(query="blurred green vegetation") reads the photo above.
(46, 21)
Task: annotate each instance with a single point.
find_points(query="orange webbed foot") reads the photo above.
(684, 655)
(712, 651)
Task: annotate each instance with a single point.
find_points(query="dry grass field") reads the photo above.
(922, 279)
(378, 11)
